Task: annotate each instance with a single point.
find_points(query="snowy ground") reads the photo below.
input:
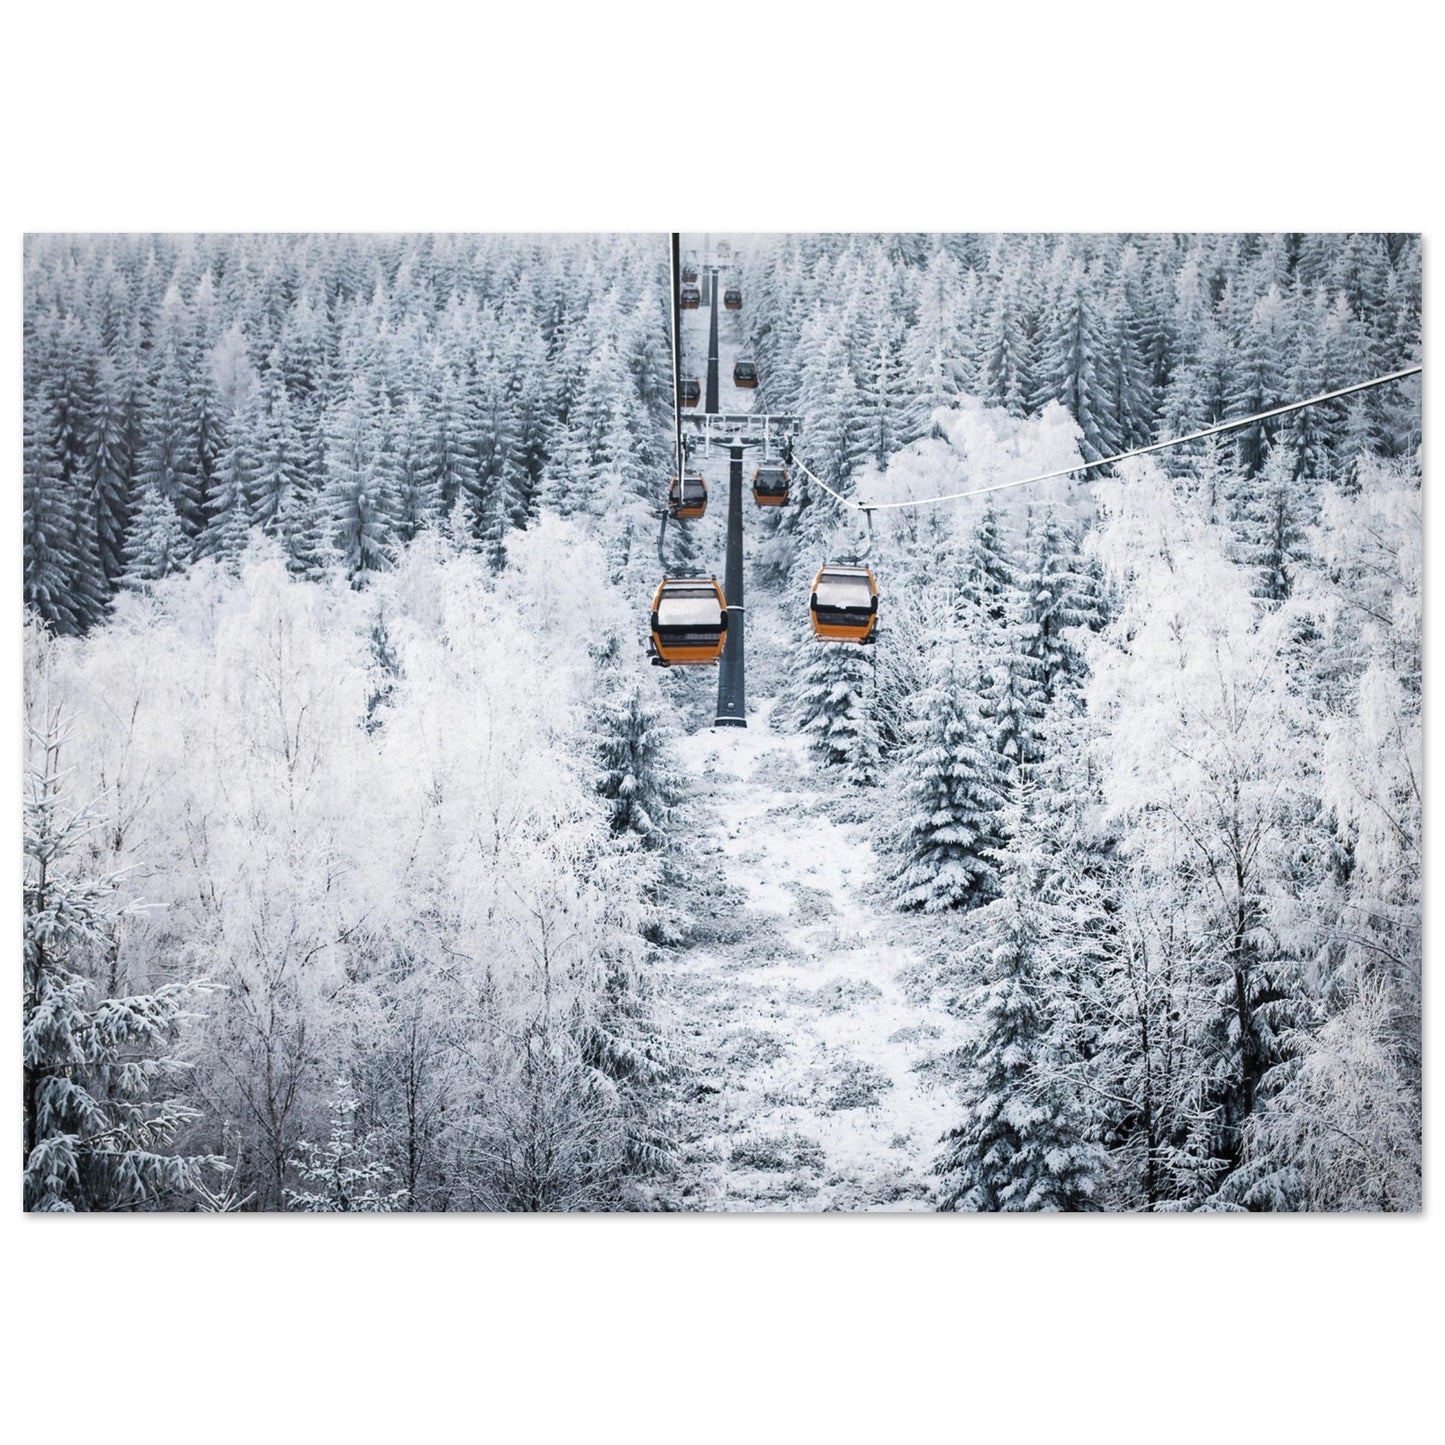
(810, 1087)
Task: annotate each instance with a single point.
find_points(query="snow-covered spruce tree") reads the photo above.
(108, 464)
(1005, 349)
(94, 1137)
(637, 773)
(940, 851)
(1023, 1142)
(836, 707)
(279, 460)
(1270, 523)
(1057, 597)
(1258, 375)
(344, 1175)
(228, 502)
(48, 527)
(1012, 701)
(157, 546)
(1073, 345)
(359, 496)
(989, 572)
(168, 458)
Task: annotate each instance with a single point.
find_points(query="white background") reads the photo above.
(652, 117)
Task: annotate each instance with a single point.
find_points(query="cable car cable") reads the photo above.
(675, 291)
(676, 352)
(1224, 426)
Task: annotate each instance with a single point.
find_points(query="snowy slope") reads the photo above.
(807, 1092)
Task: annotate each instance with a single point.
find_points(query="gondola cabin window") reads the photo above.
(770, 486)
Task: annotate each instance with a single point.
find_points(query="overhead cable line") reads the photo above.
(1209, 431)
(675, 299)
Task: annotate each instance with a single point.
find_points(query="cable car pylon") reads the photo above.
(732, 702)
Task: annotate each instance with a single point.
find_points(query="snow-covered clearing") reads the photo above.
(811, 1088)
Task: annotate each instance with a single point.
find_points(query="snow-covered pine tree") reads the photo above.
(415, 468)
(359, 498)
(941, 849)
(1012, 703)
(279, 460)
(937, 357)
(48, 526)
(94, 1137)
(1072, 365)
(1057, 596)
(1126, 364)
(884, 420)
(108, 465)
(1272, 526)
(345, 1175)
(306, 530)
(169, 456)
(228, 505)
(1006, 351)
(497, 494)
(1024, 1141)
(637, 774)
(157, 546)
(990, 574)
(836, 707)
(1258, 376)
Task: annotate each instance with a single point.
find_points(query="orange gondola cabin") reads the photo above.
(689, 622)
(745, 373)
(690, 298)
(770, 486)
(687, 499)
(689, 391)
(844, 604)
(733, 299)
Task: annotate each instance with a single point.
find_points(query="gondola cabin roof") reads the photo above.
(689, 622)
(844, 603)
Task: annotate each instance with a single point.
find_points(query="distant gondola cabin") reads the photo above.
(844, 604)
(687, 500)
(691, 298)
(723, 250)
(689, 273)
(733, 298)
(745, 374)
(770, 486)
(689, 622)
(689, 391)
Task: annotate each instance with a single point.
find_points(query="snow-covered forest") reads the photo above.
(369, 866)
